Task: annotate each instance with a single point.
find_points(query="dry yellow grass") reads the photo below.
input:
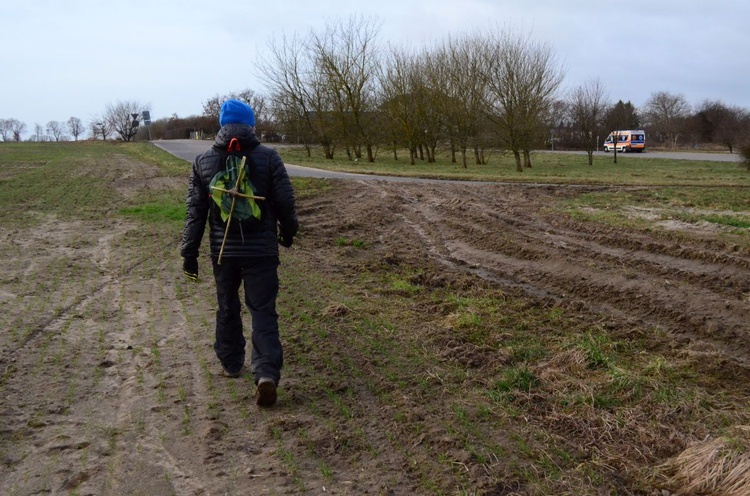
(714, 466)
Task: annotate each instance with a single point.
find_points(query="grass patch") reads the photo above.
(725, 209)
(156, 213)
(547, 168)
(356, 243)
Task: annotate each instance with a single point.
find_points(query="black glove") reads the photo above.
(190, 268)
(285, 240)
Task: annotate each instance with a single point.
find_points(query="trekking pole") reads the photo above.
(232, 192)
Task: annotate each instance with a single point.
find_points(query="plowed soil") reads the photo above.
(109, 383)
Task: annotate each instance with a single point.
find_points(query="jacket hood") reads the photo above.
(244, 133)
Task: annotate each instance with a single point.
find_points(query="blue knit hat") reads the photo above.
(236, 112)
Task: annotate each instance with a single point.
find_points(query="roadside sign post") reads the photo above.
(147, 122)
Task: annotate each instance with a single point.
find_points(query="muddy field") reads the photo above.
(110, 386)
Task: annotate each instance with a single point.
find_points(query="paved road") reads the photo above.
(188, 149)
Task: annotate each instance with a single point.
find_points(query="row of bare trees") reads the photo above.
(472, 93)
(121, 119)
(13, 129)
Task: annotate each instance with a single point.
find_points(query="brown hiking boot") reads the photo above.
(233, 373)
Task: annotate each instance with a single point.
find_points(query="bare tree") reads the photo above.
(463, 63)
(523, 78)
(402, 86)
(299, 91)
(432, 106)
(56, 129)
(39, 135)
(76, 127)
(123, 117)
(5, 131)
(556, 121)
(666, 114)
(348, 56)
(588, 103)
(100, 127)
(17, 128)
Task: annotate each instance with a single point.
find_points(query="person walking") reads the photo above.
(244, 252)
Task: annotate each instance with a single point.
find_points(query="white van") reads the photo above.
(626, 141)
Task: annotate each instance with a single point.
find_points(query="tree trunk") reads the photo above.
(421, 152)
(517, 156)
(590, 153)
(527, 159)
(477, 156)
(464, 158)
(412, 155)
(370, 156)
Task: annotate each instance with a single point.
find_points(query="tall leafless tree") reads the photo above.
(123, 117)
(666, 114)
(17, 128)
(463, 63)
(5, 132)
(523, 77)
(348, 56)
(100, 127)
(433, 105)
(402, 86)
(587, 105)
(56, 129)
(75, 125)
(39, 134)
(301, 98)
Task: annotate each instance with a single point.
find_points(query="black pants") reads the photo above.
(260, 279)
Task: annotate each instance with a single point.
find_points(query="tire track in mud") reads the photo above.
(510, 234)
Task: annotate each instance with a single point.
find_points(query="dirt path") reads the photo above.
(110, 386)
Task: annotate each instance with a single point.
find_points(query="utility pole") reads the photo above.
(616, 140)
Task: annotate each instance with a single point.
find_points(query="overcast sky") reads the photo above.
(63, 58)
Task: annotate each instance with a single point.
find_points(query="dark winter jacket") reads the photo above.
(270, 180)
